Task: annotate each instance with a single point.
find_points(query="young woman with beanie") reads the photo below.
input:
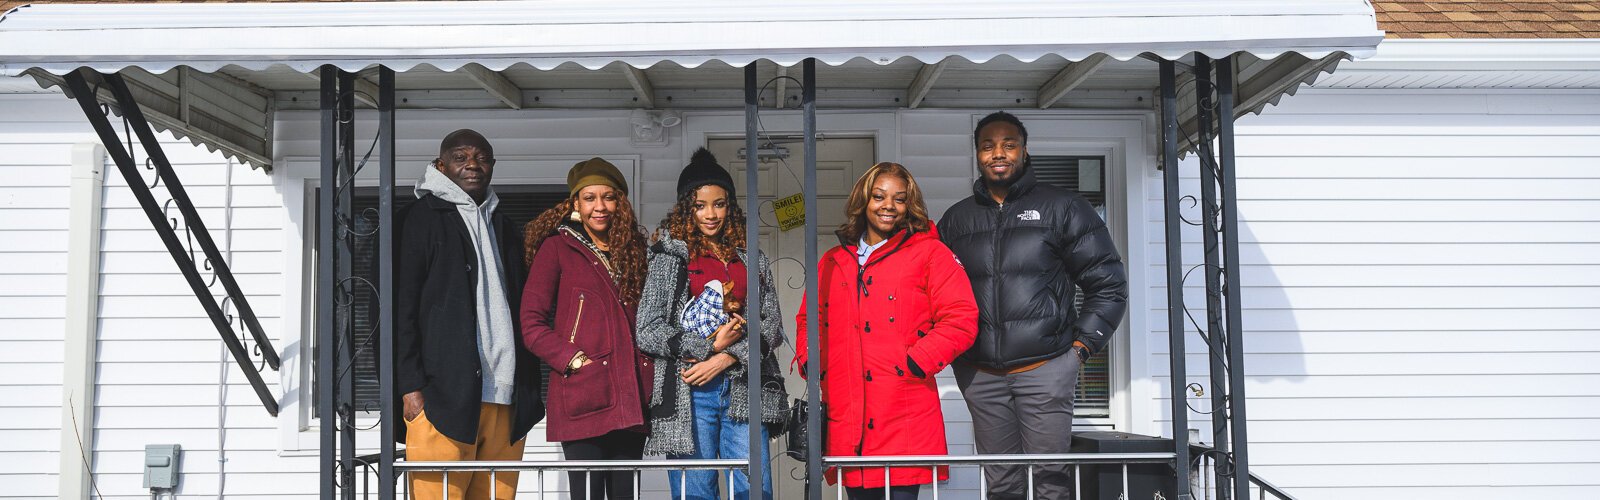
(586, 267)
(700, 402)
(895, 308)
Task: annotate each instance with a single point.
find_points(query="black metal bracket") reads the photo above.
(88, 100)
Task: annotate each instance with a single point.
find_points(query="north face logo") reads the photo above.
(1028, 215)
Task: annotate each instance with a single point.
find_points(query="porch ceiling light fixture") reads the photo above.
(650, 127)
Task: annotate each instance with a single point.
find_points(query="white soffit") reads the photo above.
(545, 34)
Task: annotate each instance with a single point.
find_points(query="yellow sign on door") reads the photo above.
(791, 212)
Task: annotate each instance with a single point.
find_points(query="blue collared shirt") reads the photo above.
(864, 251)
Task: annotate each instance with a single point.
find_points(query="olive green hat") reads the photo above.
(595, 171)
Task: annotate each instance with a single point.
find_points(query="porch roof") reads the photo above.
(236, 63)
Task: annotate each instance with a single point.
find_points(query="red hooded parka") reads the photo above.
(911, 300)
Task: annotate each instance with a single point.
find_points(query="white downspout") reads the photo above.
(226, 357)
(82, 321)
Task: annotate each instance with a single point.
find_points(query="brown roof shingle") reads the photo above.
(1489, 19)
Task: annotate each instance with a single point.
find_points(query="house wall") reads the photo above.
(35, 159)
(159, 359)
(1421, 292)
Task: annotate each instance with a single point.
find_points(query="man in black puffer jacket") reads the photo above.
(1025, 244)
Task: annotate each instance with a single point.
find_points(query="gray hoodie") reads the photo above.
(496, 332)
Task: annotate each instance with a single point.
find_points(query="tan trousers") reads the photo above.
(424, 443)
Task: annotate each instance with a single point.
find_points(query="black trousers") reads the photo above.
(614, 445)
(895, 493)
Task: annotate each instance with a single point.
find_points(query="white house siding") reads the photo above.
(158, 356)
(35, 156)
(1421, 280)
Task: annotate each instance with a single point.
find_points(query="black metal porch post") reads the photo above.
(344, 225)
(1174, 237)
(325, 280)
(752, 205)
(808, 104)
(386, 312)
(1216, 334)
(1230, 255)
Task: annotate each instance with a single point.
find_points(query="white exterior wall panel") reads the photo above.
(35, 173)
(1421, 293)
(160, 360)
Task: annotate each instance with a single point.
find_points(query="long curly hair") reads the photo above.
(855, 208)
(625, 240)
(679, 223)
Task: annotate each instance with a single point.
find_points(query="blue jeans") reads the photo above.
(716, 435)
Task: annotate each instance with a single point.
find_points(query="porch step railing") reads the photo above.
(933, 462)
(540, 468)
(727, 466)
(1205, 488)
(1267, 488)
(1200, 474)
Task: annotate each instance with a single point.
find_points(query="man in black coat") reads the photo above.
(1026, 245)
(468, 391)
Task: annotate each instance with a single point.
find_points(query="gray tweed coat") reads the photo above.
(666, 292)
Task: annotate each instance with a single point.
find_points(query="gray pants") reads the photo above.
(1028, 412)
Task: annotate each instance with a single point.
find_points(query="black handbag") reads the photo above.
(796, 433)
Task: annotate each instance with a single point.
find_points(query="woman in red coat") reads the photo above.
(586, 270)
(896, 308)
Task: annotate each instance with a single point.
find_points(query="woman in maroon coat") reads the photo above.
(585, 272)
(896, 308)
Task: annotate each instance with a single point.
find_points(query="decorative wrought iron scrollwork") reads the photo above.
(790, 282)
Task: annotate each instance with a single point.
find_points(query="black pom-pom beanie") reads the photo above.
(703, 170)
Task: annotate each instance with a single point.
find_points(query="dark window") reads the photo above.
(1086, 175)
(519, 202)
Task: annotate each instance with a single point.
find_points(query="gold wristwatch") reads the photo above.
(577, 362)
